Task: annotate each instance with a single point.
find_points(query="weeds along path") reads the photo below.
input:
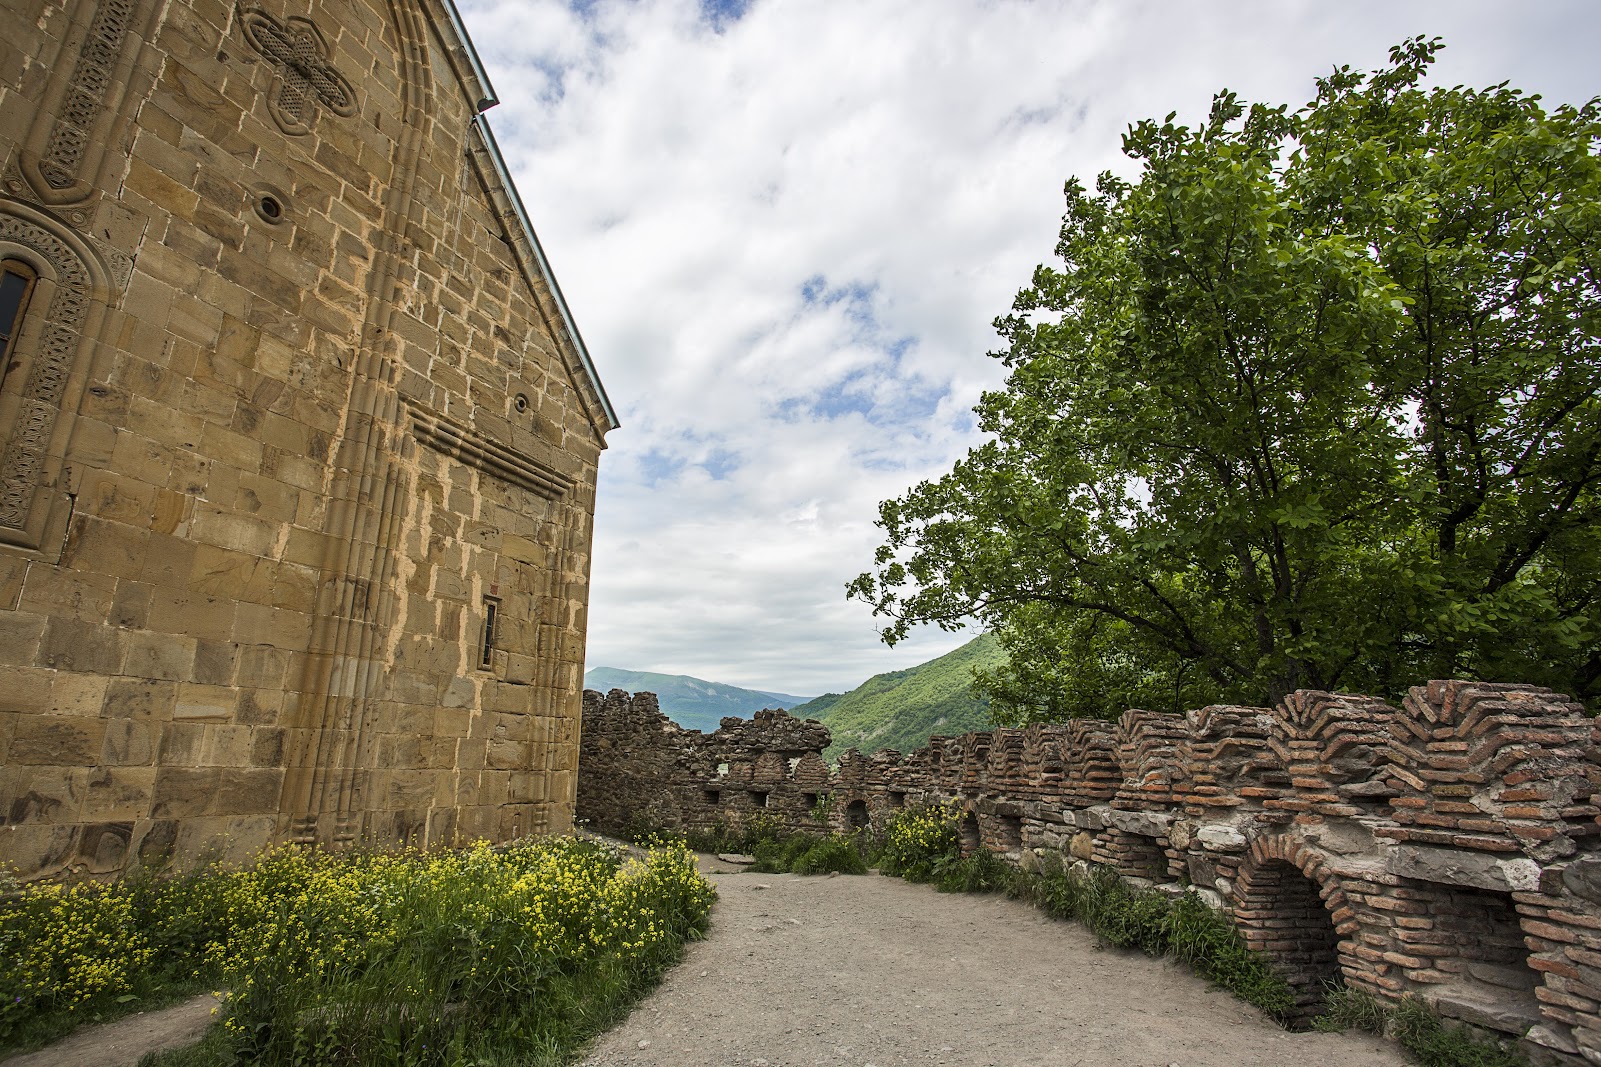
(802, 971)
(128, 1040)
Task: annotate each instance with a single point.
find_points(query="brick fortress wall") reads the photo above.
(1449, 847)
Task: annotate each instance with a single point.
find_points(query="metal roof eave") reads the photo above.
(487, 100)
(516, 199)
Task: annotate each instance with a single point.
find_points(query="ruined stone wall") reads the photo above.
(292, 403)
(639, 769)
(1449, 847)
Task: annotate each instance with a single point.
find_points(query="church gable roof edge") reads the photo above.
(509, 189)
(482, 90)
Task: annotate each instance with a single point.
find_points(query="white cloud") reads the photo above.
(785, 241)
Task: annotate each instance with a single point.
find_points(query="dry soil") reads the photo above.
(870, 970)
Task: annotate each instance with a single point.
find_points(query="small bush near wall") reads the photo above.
(517, 954)
(1428, 1040)
(921, 842)
(1182, 927)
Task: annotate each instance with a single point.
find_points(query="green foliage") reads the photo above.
(1352, 1009)
(980, 871)
(775, 855)
(1184, 928)
(923, 844)
(1433, 1044)
(91, 952)
(834, 854)
(483, 955)
(920, 843)
(808, 853)
(902, 709)
(1419, 1030)
(1312, 403)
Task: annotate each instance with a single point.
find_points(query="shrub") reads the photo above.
(514, 955)
(1352, 1009)
(834, 854)
(62, 946)
(980, 872)
(920, 842)
(1426, 1038)
(775, 855)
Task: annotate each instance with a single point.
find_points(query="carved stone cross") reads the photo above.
(305, 77)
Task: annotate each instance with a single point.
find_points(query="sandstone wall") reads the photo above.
(1449, 847)
(294, 400)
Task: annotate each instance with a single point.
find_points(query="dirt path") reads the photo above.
(813, 971)
(873, 972)
(124, 1042)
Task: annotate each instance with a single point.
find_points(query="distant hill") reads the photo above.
(903, 709)
(692, 703)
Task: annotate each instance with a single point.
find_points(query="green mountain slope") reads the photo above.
(903, 709)
(692, 703)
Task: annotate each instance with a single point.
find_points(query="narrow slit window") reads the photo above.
(491, 628)
(16, 285)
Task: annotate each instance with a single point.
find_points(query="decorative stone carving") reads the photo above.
(89, 90)
(304, 78)
(493, 458)
(86, 94)
(118, 262)
(22, 464)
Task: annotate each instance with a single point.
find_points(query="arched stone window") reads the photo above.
(16, 287)
(52, 292)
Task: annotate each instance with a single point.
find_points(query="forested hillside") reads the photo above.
(902, 709)
(692, 703)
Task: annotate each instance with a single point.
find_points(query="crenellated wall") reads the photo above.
(1449, 847)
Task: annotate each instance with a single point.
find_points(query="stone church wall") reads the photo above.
(1449, 847)
(293, 403)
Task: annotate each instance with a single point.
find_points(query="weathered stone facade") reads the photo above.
(293, 406)
(1449, 847)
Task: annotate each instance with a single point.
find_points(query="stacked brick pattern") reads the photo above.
(311, 400)
(1448, 848)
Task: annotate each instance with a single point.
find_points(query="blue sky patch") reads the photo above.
(723, 13)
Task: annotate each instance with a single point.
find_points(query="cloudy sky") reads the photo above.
(785, 226)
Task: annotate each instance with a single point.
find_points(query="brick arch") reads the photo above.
(1285, 903)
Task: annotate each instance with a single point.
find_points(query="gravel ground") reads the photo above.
(874, 971)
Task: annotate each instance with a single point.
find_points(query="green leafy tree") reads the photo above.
(1310, 404)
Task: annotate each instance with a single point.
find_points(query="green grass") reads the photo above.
(1427, 1039)
(1183, 928)
(775, 849)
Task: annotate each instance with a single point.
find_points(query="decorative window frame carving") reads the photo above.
(39, 402)
(92, 84)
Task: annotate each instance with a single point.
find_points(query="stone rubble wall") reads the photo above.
(1448, 848)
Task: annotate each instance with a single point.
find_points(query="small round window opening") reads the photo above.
(271, 204)
(521, 403)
